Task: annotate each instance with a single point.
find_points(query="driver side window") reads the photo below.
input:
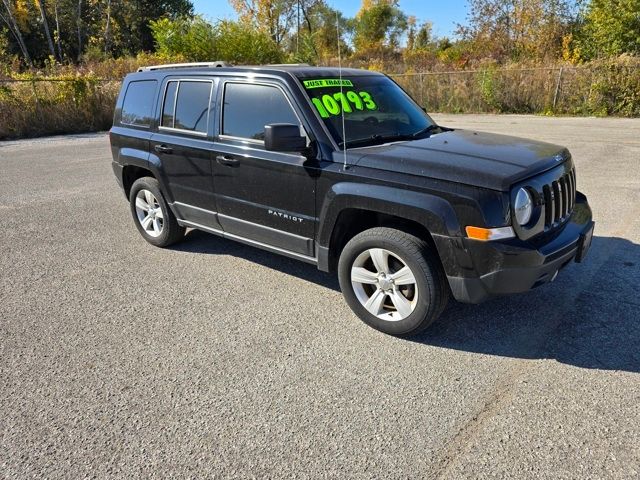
(247, 108)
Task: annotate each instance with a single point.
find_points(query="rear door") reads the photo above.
(183, 147)
(264, 196)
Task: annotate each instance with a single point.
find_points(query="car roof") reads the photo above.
(299, 71)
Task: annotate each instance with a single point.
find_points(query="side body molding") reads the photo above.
(435, 213)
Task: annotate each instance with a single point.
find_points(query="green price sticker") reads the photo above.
(346, 102)
(326, 82)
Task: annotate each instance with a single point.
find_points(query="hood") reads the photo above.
(480, 159)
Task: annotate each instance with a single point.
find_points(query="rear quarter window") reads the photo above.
(137, 107)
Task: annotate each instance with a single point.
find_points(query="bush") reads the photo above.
(610, 87)
(197, 40)
(37, 107)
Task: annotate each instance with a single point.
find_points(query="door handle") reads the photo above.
(228, 161)
(163, 149)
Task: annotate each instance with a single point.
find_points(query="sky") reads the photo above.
(444, 14)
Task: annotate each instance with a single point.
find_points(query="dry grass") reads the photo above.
(36, 108)
(599, 88)
(70, 100)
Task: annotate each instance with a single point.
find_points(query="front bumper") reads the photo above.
(514, 266)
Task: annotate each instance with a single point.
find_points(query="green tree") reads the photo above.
(9, 15)
(517, 29)
(197, 40)
(67, 29)
(320, 27)
(379, 24)
(424, 36)
(274, 17)
(411, 32)
(610, 28)
(136, 15)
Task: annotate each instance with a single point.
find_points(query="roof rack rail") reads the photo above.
(288, 65)
(185, 65)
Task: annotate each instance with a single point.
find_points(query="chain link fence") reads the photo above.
(33, 107)
(600, 90)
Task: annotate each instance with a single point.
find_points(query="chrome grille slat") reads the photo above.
(565, 195)
(548, 211)
(559, 199)
(571, 194)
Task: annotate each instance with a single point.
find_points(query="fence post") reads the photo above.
(555, 95)
(422, 90)
(35, 93)
(35, 96)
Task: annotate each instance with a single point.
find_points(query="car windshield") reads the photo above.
(375, 110)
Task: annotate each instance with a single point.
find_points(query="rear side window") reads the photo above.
(138, 103)
(248, 108)
(186, 105)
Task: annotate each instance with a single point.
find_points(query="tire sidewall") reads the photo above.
(147, 183)
(424, 284)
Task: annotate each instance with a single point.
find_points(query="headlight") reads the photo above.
(523, 206)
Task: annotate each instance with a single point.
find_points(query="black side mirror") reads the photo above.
(284, 137)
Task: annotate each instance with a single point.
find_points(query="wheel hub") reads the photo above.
(385, 283)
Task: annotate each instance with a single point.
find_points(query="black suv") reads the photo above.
(343, 170)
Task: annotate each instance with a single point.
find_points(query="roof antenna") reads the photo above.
(344, 131)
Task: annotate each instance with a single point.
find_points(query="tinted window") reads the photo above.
(138, 103)
(169, 104)
(248, 108)
(375, 109)
(192, 106)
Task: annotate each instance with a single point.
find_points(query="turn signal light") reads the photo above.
(487, 234)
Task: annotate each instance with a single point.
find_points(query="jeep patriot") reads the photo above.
(343, 170)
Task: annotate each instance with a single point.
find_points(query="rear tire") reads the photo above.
(154, 219)
(393, 281)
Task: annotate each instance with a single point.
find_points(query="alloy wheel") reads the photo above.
(149, 213)
(384, 284)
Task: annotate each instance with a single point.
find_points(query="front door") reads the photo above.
(264, 196)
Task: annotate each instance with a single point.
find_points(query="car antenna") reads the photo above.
(344, 130)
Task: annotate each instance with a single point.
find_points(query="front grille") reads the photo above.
(559, 199)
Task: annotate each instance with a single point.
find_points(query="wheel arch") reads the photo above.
(352, 208)
(131, 173)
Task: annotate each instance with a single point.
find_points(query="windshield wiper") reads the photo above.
(426, 130)
(377, 138)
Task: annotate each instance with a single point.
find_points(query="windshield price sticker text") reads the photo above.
(346, 102)
(327, 82)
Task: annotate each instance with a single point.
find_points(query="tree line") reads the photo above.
(504, 31)
(65, 30)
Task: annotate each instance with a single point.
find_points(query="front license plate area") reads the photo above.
(584, 244)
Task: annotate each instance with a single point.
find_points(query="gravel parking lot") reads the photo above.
(118, 359)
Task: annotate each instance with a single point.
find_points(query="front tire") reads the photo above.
(154, 219)
(393, 281)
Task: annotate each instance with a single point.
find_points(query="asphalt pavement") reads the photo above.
(215, 359)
